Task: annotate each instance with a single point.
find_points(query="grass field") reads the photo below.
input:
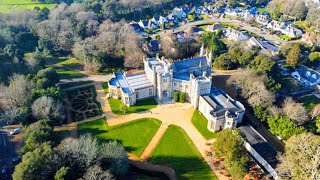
(134, 136)
(200, 122)
(142, 105)
(310, 101)
(7, 6)
(177, 150)
(67, 68)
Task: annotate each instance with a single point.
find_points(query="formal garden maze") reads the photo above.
(83, 103)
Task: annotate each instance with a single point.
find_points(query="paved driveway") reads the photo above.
(7, 148)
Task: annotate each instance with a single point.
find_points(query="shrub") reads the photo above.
(182, 97)
(176, 96)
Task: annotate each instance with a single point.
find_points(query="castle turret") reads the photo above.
(154, 79)
(202, 50)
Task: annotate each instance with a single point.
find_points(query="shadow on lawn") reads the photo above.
(185, 167)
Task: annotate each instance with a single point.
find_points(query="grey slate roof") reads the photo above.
(190, 63)
(220, 103)
(262, 147)
(131, 82)
(308, 74)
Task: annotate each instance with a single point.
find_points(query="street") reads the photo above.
(269, 37)
(7, 149)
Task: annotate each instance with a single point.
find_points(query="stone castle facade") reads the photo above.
(161, 78)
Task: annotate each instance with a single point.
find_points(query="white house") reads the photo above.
(148, 24)
(262, 19)
(159, 20)
(179, 13)
(277, 25)
(235, 35)
(307, 76)
(292, 31)
(265, 46)
(232, 12)
(284, 28)
(214, 27)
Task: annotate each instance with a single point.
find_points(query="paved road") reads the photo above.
(7, 150)
(269, 37)
(97, 78)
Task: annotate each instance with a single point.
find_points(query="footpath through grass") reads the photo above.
(6, 6)
(134, 135)
(310, 101)
(142, 105)
(177, 150)
(67, 68)
(200, 122)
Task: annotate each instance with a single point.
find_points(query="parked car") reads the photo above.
(15, 131)
(15, 160)
(3, 174)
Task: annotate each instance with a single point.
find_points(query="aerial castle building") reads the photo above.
(161, 77)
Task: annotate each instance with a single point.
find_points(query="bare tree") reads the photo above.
(92, 66)
(315, 112)
(17, 93)
(96, 173)
(117, 155)
(295, 111)
(253, 88)
(47, 108)
(301, 159)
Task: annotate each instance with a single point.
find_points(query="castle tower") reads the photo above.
(154, 80)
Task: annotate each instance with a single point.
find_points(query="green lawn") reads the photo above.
(200, 122)
(105, 87)
(67, 68)
(310, 101)
(142, 105)
(177, 150)
(134, 135)
(7, 6)
(261, 10)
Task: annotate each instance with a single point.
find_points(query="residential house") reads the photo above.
(276, 25)
(260, 149)
(265, 47)
(292, 31)
(152, 47)
(159, 20)
(214, 27)
(307, 76)
(232, 12)
(236, 35)
(137, 28)
(148, 24)
(200, 10)
(262, 19)
(247, 16)
(194, 30)
(311, 38)
(179, 13)
(284, 28)
(143, 24)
